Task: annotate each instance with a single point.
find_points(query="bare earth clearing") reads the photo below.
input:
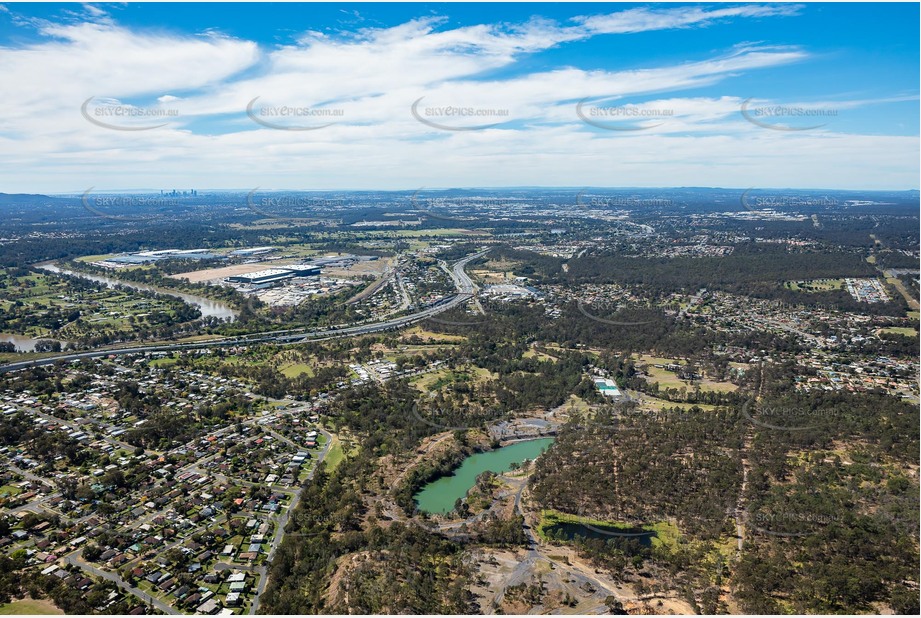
(198, 276)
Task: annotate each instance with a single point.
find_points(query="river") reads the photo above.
(24, 343)
(208, 307)
(440, 495)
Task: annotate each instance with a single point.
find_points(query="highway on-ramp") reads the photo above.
(462, 281)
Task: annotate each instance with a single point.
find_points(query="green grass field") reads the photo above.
(666, 379)
(162, 362)
(292, 370)
(335, 455)
(29, 606)
(900, 330)
(817, 285)
(438, 380)
(657, 360)
(9, 490)
(669, 379)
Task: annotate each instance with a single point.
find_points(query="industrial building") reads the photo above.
(252, 251)
(145, 257)
(509, 292)
(345, 259)
(302, 270)
(266, 278)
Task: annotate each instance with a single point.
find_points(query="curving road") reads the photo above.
(282, 521)
(74, 559)
(461, 280)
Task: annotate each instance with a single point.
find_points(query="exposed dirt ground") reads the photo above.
(208, 274)
(538, 579)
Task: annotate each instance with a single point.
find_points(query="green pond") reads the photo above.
(570, 530)
(440, 495)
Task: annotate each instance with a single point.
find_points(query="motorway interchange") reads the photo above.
(466, 290)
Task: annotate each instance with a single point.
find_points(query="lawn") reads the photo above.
(29, 606)
(437, 380)
(666, 379)
(482, 374)
(655, 404)
(13, 357)
(300, 250)
(426, 382)
(292, 370)
(900, 330)
(658, 360)
(669, 379)
(196, 338)
(335, 455)
(898, 285)
(720, 387)
(163, 362)
(817, 285)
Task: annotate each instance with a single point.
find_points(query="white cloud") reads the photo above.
(374, 75)
(47, 82)
(646, 19)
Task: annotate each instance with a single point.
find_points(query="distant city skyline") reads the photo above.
(439, 95)
(574, 190)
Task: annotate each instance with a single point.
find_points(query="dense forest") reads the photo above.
(390, 569)
(830, 529)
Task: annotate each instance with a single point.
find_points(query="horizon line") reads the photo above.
(464, 188)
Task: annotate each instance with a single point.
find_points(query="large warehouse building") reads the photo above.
(271, 276)
(302, 270)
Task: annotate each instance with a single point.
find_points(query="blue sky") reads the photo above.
(374, 96)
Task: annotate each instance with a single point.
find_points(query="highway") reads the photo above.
(466, 288)
(463, 283)
(461, 280)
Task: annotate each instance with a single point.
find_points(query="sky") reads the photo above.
(401, 96)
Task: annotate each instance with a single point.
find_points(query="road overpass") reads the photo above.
(461, 280)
